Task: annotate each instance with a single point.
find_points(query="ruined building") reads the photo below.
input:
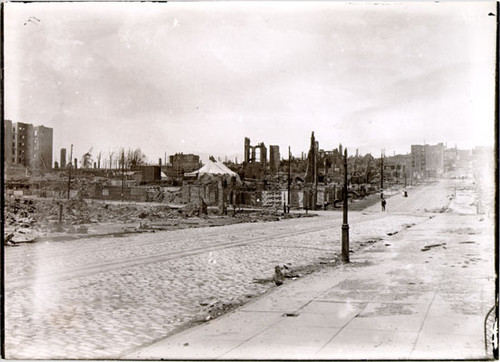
(274, 159)
(181, 163)
(63, 158)
(255, 161)
(28, 145)
(312, 160)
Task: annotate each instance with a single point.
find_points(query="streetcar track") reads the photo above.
(126, 240)
(24, 282)
(159, 241)
(163, 237)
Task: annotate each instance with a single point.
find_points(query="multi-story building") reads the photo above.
(27, 145)
(8, 141)
(434, 160)
(418, 161)
(42, 148)
(427, 160)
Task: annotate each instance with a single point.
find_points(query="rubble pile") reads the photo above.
(29, 218)
(19, 213)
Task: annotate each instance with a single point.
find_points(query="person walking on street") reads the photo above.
(383, 204)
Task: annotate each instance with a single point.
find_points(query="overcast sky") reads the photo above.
(199, 77)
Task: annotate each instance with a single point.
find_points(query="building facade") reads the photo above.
(8, 142)
(255, 160)
(182, 163)
(312, 161)
(42, 148)
(27, 145)
(63, 158)
(434, 160)
(427, 160)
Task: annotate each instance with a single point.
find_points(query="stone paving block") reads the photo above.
(357, 344)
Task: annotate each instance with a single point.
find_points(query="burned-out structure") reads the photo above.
(274, 159)
(295, 182)
(28, 146)
(313, 180)
(255, 160)
(180, 164)
(62, 158)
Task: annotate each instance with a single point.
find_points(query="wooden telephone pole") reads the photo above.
(69, 171)
(382, 174)
(123, 173)
(289, 177)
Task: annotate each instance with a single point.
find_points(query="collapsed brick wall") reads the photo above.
(194, 194)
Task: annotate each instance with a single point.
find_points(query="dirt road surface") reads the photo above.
(101, 297)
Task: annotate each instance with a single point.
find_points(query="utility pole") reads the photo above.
(289, 177)
(382, 174)
(315, 175)
(69, 171)
(345, 225)
(123, 172)
(404, 173)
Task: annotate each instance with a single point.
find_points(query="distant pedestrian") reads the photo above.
(383, 204)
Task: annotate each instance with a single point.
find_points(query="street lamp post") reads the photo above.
(345, 225)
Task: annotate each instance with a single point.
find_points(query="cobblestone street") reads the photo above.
(101, 297)
(246, 181)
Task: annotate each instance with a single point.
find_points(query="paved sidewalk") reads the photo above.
(420, 294)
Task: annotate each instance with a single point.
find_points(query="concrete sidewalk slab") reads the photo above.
(420, 294)
(358, 344)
